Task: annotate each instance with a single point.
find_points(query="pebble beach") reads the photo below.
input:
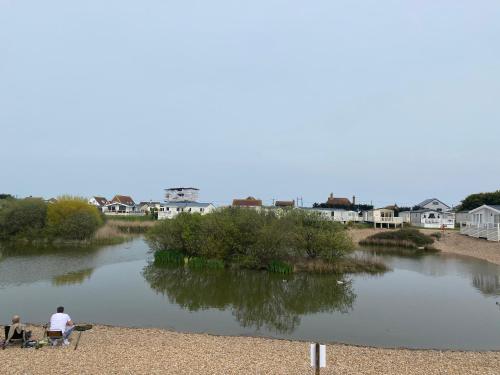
(114, 350)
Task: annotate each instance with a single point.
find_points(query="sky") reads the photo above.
(391, 101)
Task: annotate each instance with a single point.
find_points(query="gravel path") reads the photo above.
(112, 350)
(452, 242)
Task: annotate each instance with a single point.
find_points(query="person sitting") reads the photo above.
(62, 322)
(17, 331)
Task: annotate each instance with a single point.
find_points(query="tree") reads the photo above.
(22, 218)
(476, 200)
(72, 218)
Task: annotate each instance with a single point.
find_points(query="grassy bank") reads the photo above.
(408, 238)
(130, 226)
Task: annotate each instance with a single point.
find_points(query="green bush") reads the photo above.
(72, 218)
(22, 218)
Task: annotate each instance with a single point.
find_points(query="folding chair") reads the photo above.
(54, 337)
(15, 339)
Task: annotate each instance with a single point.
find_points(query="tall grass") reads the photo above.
(131, 226)
(167, 257)
(278, 266)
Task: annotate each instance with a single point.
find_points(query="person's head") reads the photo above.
(16, 319)
(60, 309)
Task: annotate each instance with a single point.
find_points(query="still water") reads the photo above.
(434, 301)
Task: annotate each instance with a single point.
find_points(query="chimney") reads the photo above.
(331, 195)
(353, 200)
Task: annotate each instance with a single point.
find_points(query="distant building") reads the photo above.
(169, 210)
(285, 204)
(427, 218)
(334, 201)
(181, 194)
(147, 207)
(249, 202)
(335, 214)
(121, 205)
(434, 204)
(484, 223)
(99, 202)
(381, 217)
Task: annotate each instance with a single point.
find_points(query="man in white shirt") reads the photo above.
(62, 322)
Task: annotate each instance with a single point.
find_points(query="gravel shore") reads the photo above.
(113, 350)
(452, 242)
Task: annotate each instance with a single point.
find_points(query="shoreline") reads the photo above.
(451, 243)
(118, 350)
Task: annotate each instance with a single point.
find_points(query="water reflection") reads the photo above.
(71, 278)
(62, 266)
(487, 284)
(256, 299)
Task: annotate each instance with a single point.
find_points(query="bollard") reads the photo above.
(318, 357)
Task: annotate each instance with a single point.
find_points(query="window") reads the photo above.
(202, 209)
(435, 203)
(178, 209)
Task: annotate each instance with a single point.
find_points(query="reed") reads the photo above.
(168, 257)
(278, 266)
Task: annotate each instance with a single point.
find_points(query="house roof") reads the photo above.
(427, 201)
(248, 202)
(101, 200)
(494, 207)
(149, 202)
(284, 203)
(332, 201)
(182, 188)
(185, 204)
(123, 199)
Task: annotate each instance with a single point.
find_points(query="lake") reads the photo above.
(433, 301)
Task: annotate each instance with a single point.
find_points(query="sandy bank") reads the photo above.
(111, 350)
(452, 242)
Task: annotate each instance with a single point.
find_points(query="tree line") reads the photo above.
(70, 218)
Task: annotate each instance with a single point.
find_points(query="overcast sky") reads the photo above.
(391, 101)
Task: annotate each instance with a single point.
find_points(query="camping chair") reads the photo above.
(54, 337)
(16, 337)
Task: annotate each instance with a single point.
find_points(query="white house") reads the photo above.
(382, 217)
(169, 210)
(434, 204)
(485, 215)
(484, 223)
(122, 205)
(427, 218)
(335, 214)
(405, 216)
(99, 202)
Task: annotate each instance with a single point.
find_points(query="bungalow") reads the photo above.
(169, 210)
(121, 205)
(381, 216)
(335, 214)
(99, 202)
(484, 223)
(434, 204)
(249, 202)
(427, 218)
